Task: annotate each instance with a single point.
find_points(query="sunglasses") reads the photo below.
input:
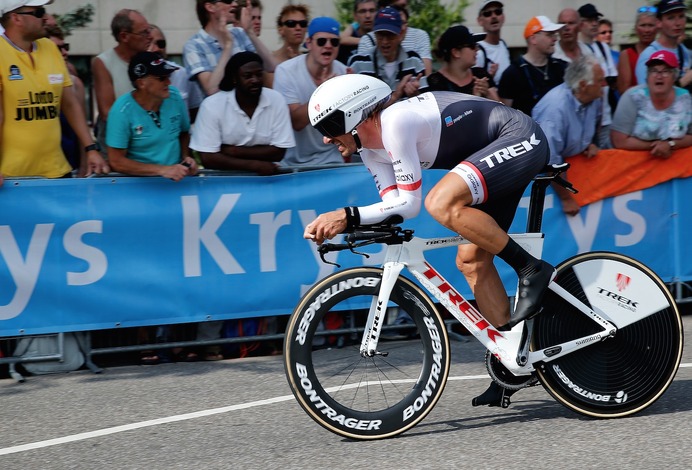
(294, 23)
(321, 42)
(160, 43)
(489, 13)
(40, 12)
(227, 2)
(144, 33)
(647, 10)
(65, 47)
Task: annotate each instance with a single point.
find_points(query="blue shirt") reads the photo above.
(640, 70)
(131, 127)
(569, 125)
(202, 51)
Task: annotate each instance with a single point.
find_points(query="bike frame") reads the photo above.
(510, 347)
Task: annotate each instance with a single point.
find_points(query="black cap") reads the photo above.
(589, 11)
(457, 36)
(666, 6)
(149, 63)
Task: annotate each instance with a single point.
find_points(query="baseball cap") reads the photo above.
(323, 24)
(666, 57)
(456, 36)
(7, 6)
(388, 19)
(589, 11)
(540, 23)
(485, 3)
(149, 63)
(665, 6)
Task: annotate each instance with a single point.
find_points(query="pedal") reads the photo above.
(505, 401)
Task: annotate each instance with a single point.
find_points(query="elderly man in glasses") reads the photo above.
(35, 86)
(402, 70)
(132, 32)
(297, 78)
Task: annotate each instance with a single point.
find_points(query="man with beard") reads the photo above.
(297, 78)
(35, 87)
(244, 126)
(207, 52)
(492, 54)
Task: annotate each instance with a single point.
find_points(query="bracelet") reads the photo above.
(352, 217)
(94, 146)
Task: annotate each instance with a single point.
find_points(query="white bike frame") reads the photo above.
(509, 347)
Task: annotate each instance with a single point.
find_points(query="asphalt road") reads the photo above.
(240, 414)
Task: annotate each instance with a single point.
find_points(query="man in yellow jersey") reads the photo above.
(34, 87)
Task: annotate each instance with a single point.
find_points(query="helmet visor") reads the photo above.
(333, 125)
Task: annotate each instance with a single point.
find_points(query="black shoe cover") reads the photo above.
(495, 395)
(531, 291)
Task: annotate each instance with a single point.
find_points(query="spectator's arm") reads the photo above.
(262, 50)
(686, 78)
(299, 115)
(624, 73)
(347, 38)
(627, 142)
(122, 164)
(75, 116)
(428, 66)
(257, 159)
(569, 204)
(103, 88)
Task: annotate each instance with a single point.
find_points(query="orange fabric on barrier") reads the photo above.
(614, 172)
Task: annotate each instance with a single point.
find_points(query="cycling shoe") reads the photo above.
(495, 395)
(531, 291)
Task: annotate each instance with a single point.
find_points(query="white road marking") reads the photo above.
(183, 417)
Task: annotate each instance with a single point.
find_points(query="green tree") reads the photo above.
(73, 19)
(429, 15)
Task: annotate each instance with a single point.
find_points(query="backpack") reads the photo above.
(486, 60)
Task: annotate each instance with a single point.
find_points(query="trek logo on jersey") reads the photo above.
(508, 153)
(39, 106)
(450, 121)
(15, 73)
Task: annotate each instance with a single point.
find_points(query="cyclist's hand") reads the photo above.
(326, 226)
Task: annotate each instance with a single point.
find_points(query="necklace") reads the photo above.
(543, 70)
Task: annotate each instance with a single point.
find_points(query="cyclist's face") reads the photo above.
(345, 144)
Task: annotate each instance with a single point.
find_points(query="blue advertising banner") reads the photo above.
(97, 253)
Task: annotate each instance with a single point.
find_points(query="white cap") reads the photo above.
(485, 3)
(540, 23)
(7, 6)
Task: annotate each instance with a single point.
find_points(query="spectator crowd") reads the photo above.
(234, 104)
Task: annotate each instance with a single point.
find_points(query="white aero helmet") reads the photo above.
(343, 102)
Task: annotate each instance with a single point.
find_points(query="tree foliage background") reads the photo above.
(73, 19)
(429, 15)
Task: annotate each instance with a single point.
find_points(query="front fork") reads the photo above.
(378, 308)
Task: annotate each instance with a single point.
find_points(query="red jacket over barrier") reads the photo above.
(614, 172)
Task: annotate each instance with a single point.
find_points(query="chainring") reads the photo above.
(500, 374)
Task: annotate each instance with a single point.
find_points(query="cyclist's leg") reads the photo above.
(482, 277)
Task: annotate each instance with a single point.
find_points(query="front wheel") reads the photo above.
(617, 376)
(365, 397)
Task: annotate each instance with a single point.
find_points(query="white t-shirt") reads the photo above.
(497, 53)
(294, 82)
(221, 121)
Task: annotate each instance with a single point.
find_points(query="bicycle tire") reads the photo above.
(365, 397)
(619, 376)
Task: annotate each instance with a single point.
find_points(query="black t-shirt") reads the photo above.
(526, 84)
(438, 82)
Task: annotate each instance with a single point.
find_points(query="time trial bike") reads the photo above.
(607, 343)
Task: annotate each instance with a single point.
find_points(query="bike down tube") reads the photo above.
(373, 327)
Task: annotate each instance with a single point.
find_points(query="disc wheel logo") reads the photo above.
(622, 281)
(620, 397)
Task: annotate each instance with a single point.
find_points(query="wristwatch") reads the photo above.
(671, 142)
(94, 146)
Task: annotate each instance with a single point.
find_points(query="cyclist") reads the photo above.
(492, 152)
